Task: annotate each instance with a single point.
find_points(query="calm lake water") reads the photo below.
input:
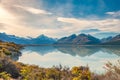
(93, 56)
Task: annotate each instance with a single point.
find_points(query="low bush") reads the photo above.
(5, 76)
(6, 51)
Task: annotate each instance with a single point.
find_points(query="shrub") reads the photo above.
(0, 65)
(81, 73)
(5, 75)
(113, 70)
(6, 51)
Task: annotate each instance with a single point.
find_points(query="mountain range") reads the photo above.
(113, 40)
(81, 39)
(42, 39)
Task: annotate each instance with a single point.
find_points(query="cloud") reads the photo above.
(98, 33)
(114, 14)
(110, 13)
(68, 20)
(102, 24)
(4, 14)
(34, 10)
(30, 19)
(74, 24)
(34, 17)
(101, 35)
(99, 28)
(90, 30)
(2, 26)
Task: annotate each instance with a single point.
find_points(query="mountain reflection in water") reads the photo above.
(74, 50)
(94, 56)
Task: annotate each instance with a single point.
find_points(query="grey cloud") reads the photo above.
(105, 34)
(90, 30)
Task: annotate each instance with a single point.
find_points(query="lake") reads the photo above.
(93, 56)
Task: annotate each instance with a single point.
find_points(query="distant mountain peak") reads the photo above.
(42, 36)
(82, 34)
(73, 35)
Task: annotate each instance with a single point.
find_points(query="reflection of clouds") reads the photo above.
(103, 55)
(48, 60)
(95, 61)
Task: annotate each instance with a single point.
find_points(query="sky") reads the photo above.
(59, 18)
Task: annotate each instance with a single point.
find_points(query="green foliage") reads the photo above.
(52, 73)
(5, 76)
(55, 73)
(32, 72)
(6, 51)
(81, 73)
(1, 65)
(24, 73)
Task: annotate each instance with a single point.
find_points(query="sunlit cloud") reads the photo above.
(4, 14)
(104, 24)
(34, 10)
(2, 26)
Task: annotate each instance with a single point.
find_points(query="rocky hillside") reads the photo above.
(81, 39)
(113, 41)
